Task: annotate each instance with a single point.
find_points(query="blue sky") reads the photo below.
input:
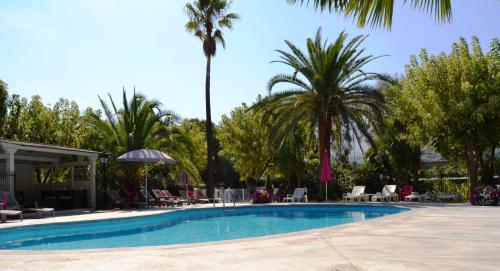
(81, 49)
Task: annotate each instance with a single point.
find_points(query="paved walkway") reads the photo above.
(452, 237)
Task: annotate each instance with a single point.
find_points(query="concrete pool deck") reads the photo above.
(428, 237)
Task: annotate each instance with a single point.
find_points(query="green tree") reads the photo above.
(452, 104)
(206, 20)
(3, 106)
(243, 138)
(379, 12)
(329, 92)
(141, 123)
(194, 129)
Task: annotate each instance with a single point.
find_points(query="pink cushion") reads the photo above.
(5, 198)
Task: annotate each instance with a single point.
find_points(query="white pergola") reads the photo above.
(16, 153)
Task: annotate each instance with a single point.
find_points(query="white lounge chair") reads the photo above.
(388, 193)
(357, 193)
(417, 196)
(11, 204)
(5, 213)
(298, 194)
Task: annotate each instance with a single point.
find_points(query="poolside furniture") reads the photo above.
(447, 197)
(406, 190)
(298, 194)
(416, 196)
(388, 193)
(151, 201)
(185, 196)
(116, 200)
(199, 196)
(218, 195)
(357, 193)
(10, 203)
(5, 213)
(159, 199)
(170, 198)
(131, 197)
(166, 200)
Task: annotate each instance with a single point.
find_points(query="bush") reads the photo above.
(260, 196)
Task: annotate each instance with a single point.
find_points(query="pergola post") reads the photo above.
(10, 166)
(92, 192)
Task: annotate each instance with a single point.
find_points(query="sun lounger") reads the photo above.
(168, 201)
(171, 198)
(5, 213)
(416, 196)
(388, 193)
(357, 193)
(298, 194)
(10, 203)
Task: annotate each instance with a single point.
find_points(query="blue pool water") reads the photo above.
(186, 226)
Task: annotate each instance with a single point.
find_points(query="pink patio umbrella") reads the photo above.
(326, 172)
(146, 156)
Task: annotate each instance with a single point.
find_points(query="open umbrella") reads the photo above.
(146, 156)
(326, 172)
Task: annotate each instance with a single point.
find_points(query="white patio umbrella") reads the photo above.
(146, 156)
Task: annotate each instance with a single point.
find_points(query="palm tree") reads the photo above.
(329, 92)
(141, 123)
(379, 12)
(206, 20)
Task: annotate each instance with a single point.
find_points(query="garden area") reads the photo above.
(446, 104)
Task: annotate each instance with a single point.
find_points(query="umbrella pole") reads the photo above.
(326, 191)
(146, 186)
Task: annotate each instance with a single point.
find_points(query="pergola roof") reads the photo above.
(55, 150)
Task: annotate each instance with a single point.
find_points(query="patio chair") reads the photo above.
(186, 197)
(151, 200)
(298, 194)
(218, 195)
(199, 196)
(10, 203)
(388, 193)
(116, 199)
(174, 200)
(406, 190)
(131, 197)
(357, 193)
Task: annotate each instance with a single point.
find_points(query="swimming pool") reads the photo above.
(187, 226)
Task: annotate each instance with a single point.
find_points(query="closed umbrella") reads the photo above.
(146, 156)
(185, 180)
(326, 172)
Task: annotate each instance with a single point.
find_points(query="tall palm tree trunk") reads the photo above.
(324, 133)
(209, 131)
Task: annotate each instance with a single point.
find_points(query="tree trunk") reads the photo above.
(209, 131)
(415, 162)
(324, 131)
(472, 168)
